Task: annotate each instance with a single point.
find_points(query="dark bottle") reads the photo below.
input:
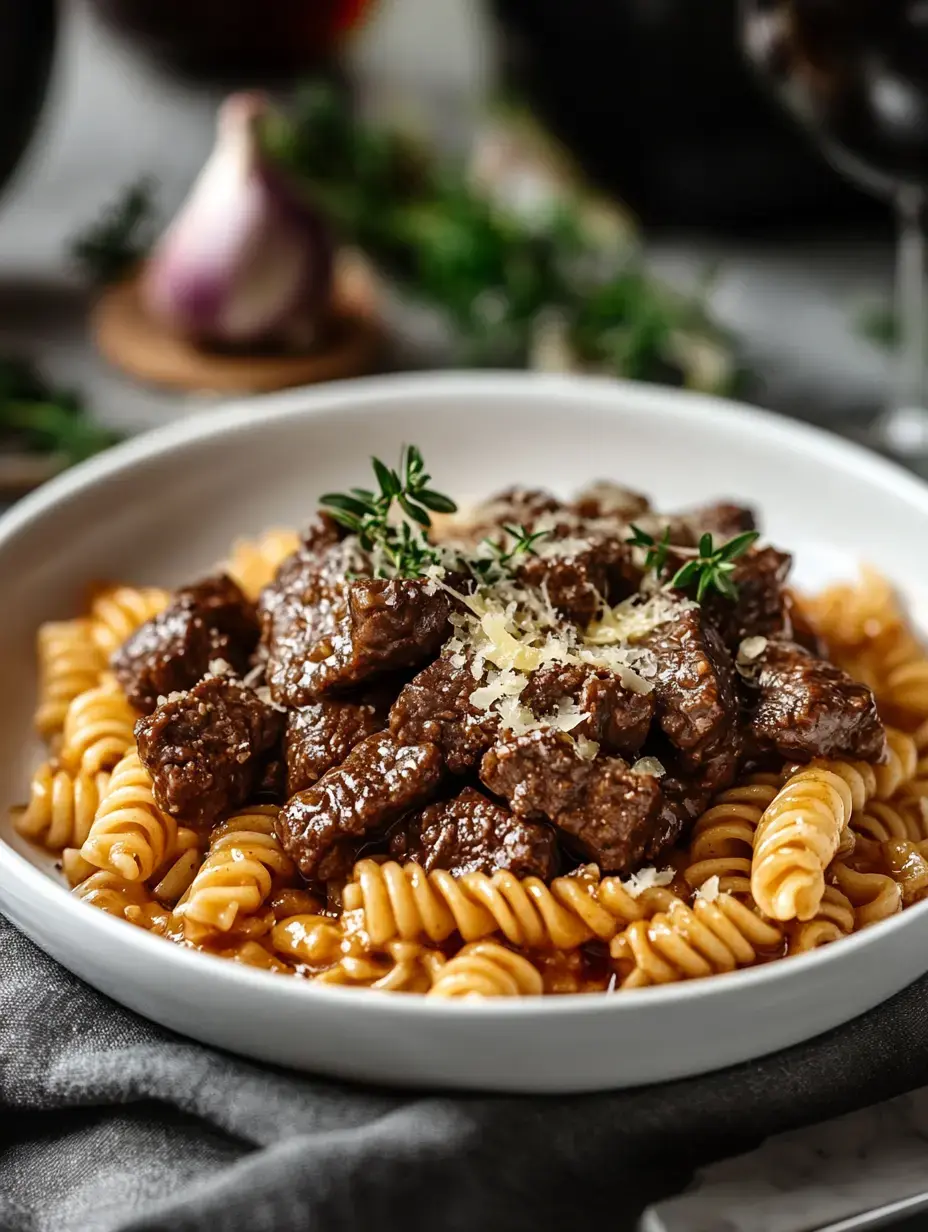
(856, 73)
(27, 43)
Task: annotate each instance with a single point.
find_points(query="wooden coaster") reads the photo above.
(144, 349)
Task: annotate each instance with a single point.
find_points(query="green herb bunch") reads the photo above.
(109, 247)
(488, 272)
(500, 560)
(710, 567)
(44, 419)
(367, 514)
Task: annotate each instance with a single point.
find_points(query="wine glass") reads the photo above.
(855, 73)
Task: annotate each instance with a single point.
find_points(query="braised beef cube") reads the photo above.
(435, 708)
(808, 708)
(171, 652)
(206, 750)
(615, 820)
(609, 813)
(539, 774)
(322, 532)
(272, 782)
(610, 501)
(694, 689)
(684, 801)
(578, 576)
(473, 834)
(379, 781)
(512, 507)
(616, 718)
(762, 608)
(322, 734)
(723, 520)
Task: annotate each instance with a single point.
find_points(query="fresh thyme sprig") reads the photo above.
(367, 514)
(656, 554)
(500, 560)
(710, 569)
(121, 236)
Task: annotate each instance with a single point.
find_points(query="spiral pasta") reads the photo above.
(685, 942)
(253, 563)
(61, 807)
(70, 663)
(107, 891)
(797, 838)
(130, 835)
(722, 843)
(834, 919)
(99, 728)
(907, 863)
(875, 896)
(406, 902)
(487, 969)
(118, 611)
(244, 861)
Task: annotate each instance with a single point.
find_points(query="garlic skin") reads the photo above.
(247, 262)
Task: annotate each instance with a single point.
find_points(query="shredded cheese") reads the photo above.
(709, 890)
(647, 879)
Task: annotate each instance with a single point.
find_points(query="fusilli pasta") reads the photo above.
(487, 969)
(254, 562)
(236, 878)
(686, 942)
(797, 838)
(406, 902)
(118, 611)
(70, 663)
(99, 729)
(722, 842)
(130, 835)
(61, 807)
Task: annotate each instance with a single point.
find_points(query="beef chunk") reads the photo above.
(609, 814)
(695, 686)
(583, 574)
(378, 782)
(434, 708)
(172, 651)
(809, 708)
(473, 834)
(617, 719)
(322, 532)
(762, 608)
(513, 506)
(325, 633)
(610, 501)
(322, 734)
(272, 783)
(207, 749)
(723, 520)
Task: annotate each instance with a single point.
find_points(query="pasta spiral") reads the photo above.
(111, 893)
(487, 969)
(722, 842)
(406, 902)
(62, 806)
(69, 664)
(907, 863)
(691, 942)
(834, 919)
(875, 896)
(253, 563)
(130, 835)
(237, 876)
(118, 611)
(899, 768)
(98, 729)
(796, 840)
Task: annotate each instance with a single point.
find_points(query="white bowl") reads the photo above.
(164, 507)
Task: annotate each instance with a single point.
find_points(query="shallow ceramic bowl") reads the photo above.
(163, 508)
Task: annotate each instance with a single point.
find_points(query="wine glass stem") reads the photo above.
(910, 307)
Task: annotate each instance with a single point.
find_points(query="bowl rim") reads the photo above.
(353, 396)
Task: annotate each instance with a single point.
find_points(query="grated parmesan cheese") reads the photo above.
(648, 765)
(647, 879)
(219, 667)
(709, 890)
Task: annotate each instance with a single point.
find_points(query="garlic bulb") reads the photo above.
(248, 260)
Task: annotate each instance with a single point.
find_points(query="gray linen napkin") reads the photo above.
(110, 1123)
